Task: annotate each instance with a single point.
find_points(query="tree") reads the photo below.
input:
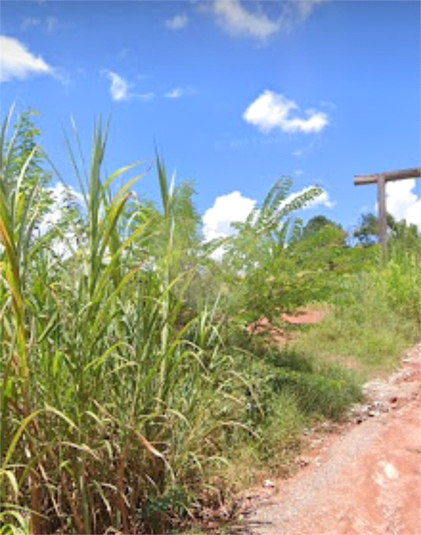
(367, 232)
(319, 245)
(260, 277)
(24, 149)
(23, 165)
(317, 223)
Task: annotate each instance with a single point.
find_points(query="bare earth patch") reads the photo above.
(303, 316)
(362, 477)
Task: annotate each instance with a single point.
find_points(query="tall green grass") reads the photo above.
(112, 410)
(376, 315)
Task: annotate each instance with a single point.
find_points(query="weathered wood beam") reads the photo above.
(360, 180)
(381, 198)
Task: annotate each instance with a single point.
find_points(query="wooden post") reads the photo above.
(380, 179)
(381, 198)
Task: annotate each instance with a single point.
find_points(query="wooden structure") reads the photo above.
(380, 179)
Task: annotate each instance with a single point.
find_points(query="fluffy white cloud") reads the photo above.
(177, 23)
(272, 110)
(306, 7)
(226, 209)
(119, 88)
(403, 202)
(175, 93)
(16, 61)
(237, 20)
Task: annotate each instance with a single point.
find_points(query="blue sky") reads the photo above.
(234, 93)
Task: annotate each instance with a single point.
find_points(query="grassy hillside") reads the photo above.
(131, 388)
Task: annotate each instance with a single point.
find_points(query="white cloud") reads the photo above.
(175, 93)
(403, 202)
(52, 24)
(16, 61)
(272, 110)
(177, 23)
(119, 88)
(306, 7)
(226, 209)
(29, 22)
(49, 25)
(123, 54)
(178, 92)
(237, 20)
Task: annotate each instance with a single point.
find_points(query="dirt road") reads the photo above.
(362, 479)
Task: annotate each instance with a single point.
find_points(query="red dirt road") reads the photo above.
(364, 480)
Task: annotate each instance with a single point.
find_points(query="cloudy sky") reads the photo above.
(234, 93)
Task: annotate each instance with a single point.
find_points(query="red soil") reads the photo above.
(303, 316)
(361, 478)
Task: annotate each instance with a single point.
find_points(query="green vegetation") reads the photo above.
(132, 389)
(377, 308)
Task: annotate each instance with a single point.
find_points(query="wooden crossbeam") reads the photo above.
(380, 179)
(361, 180)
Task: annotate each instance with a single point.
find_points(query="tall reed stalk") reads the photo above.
(112, 406)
